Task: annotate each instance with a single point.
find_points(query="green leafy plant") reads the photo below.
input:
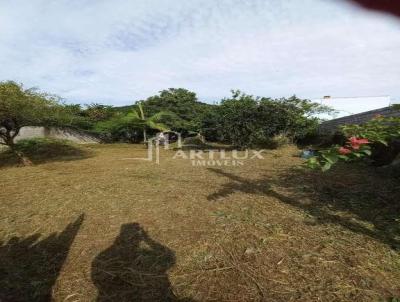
(128, 124)
(379, 130)
(40, 150)
(244, 120)
(20, 107)
(354, 149)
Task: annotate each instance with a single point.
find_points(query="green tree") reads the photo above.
(239, 117)
(210, 125)
(184, 108)
(97, 112)
(21, 107)
(126, 125)
(120, 127)
(244, 120)
(292, 116)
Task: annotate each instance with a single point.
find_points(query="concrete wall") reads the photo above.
(75, 136)
(332, 125)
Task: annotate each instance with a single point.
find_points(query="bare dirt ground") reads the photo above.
(105, 228)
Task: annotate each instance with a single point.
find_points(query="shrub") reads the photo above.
(281, 140)
(195, 141)
(355, 149)
(45, 146)
(259, 140)
(380, 132)
(40, 150)
(245, 121)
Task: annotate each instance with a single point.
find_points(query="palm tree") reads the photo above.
(133, 121)
(152, 122)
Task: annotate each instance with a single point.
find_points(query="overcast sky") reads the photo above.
(119, 51)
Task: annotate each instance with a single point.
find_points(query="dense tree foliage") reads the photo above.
(129, 126)
(244, 120)
(184, 108)
(21, 107)
(241, 120)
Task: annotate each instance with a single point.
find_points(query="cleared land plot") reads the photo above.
(105, 228)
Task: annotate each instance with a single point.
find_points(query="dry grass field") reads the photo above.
(96, 227)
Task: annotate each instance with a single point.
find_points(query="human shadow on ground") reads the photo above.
(134, 268)
(336, 197)
(29, 267)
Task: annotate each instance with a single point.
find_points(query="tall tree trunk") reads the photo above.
(144, 135)
(143, 119)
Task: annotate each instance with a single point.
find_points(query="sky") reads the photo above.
(119, 51)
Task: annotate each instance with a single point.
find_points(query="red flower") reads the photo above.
(344, 151)
(356, 142)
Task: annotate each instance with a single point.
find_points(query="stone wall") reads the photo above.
(73, 135)
(331, 126)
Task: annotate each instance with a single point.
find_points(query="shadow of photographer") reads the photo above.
(134, 268)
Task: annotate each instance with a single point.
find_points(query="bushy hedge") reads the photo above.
(246, 121)
(377, 139)
(43, 149)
